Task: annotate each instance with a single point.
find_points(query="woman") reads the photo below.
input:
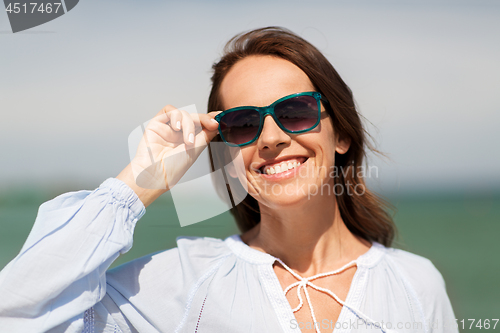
(314, 252)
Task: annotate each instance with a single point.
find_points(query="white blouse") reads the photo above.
(59, 281)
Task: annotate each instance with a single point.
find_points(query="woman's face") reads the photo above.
(259, 81)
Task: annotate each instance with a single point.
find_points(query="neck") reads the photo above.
(310, 240)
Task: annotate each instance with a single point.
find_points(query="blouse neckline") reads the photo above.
(368, 259)
(277, 296)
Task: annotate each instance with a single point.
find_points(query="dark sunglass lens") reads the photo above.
(240, 126)
(297, 113)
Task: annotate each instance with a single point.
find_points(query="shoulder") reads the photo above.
(167, 282)
(402, 267)
(418, 271)
(190, 259)
(422, 281)
(412, 282)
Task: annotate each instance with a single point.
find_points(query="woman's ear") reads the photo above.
(343, 145)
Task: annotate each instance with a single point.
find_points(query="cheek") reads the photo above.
(325, 145)
(239, 163)
(328, 138)
(247, 153)
(329, 151)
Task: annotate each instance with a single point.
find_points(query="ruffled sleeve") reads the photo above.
(60, 271)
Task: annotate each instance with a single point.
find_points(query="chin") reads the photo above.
(282, 201)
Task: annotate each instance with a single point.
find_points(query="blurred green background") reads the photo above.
(458, 232)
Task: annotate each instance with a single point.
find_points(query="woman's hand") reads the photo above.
(171, 143)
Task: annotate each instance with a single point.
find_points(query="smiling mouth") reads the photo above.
(283, 166)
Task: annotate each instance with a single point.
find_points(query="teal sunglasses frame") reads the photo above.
(269, 110)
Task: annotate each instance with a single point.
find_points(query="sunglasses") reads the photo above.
(296, 113)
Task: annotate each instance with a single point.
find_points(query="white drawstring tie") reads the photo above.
(304, 282)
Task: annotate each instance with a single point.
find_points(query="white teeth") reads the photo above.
(285, 166)
(270, 171)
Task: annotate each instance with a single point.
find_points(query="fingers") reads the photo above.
(163, 115)
(210, 125)
(188, 127)
(208, 121)
(180, 124)
(176, 119)
(174, 125)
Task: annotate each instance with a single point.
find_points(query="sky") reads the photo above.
(425, 75)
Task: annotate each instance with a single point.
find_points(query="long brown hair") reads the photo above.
(365, 214)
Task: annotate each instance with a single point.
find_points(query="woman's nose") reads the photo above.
(272, 135)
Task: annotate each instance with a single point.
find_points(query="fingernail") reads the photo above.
(191, 138)
(178, 125)
(215, 121)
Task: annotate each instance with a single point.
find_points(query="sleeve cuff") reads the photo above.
(123, 194)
